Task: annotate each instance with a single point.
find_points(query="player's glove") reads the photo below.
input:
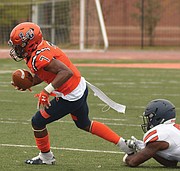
(139, 144)
(43, 100)
(135, 144)
(18, 88)
(124, 146)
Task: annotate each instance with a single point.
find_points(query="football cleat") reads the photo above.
(40, 160)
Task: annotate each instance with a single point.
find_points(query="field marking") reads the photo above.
(133, 65)
(15, 121)
(12, 122)
(122, 65)
(110, 119)
(5, 72)
(71, 122)
(62, 148)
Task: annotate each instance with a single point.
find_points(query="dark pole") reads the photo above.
(87, 24)
(142, 24)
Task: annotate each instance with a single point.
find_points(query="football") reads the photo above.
(22, 79)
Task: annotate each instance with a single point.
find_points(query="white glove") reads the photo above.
(124, 146)
(139, 145)
(135, 145)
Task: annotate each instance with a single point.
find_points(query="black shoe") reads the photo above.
(40, 160)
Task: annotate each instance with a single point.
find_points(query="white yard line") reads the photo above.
(110, 119)
(6, 72)
(61, 148)
(14, 121)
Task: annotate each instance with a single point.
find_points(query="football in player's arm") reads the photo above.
(161, 139)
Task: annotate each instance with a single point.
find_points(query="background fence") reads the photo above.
(128, 22)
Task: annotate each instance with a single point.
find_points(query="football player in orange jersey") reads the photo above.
(162, 136)
(49, 64)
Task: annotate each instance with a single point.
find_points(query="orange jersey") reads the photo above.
(42, 56)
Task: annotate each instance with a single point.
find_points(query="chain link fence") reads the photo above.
(129, 23)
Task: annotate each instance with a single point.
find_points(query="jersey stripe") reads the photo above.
(149, 135)
(177, 126)
(34, 63)
(154, 139)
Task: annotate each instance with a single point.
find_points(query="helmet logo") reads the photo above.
(28, 36)
(21, 35)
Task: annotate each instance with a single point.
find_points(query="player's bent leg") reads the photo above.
(82, 121)
(42, 141)
(97, 128)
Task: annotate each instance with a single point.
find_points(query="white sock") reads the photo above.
(46, 156)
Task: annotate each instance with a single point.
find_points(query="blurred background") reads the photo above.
(97, 24)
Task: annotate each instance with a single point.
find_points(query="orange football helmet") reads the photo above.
(24, 39)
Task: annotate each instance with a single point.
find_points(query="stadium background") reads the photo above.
(127, 22)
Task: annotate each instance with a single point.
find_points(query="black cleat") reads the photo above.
(39, 160)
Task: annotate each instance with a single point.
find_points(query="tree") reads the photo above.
(150, 17)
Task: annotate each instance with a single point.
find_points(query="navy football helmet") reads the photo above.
(157, 112)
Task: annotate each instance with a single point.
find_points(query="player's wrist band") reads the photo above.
(49, 88)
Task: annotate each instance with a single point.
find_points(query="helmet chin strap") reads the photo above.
(162, 121)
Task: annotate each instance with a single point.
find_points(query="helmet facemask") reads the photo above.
(150, 121)
(18, 52)
(145, 124)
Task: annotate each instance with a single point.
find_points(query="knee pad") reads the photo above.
(34, 122)
(38, 121)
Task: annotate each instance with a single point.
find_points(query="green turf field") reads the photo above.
(76, 150)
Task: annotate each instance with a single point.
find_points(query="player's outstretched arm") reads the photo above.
(138, 158)
(165, 162)
(145, 154)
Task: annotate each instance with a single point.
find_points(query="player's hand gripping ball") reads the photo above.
(22, 79)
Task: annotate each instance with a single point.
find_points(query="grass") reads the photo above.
(132, 87)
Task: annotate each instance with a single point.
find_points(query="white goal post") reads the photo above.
(82, 24)
(102, 24)
(66, 25)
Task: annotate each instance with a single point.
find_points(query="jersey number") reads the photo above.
(44, 58)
